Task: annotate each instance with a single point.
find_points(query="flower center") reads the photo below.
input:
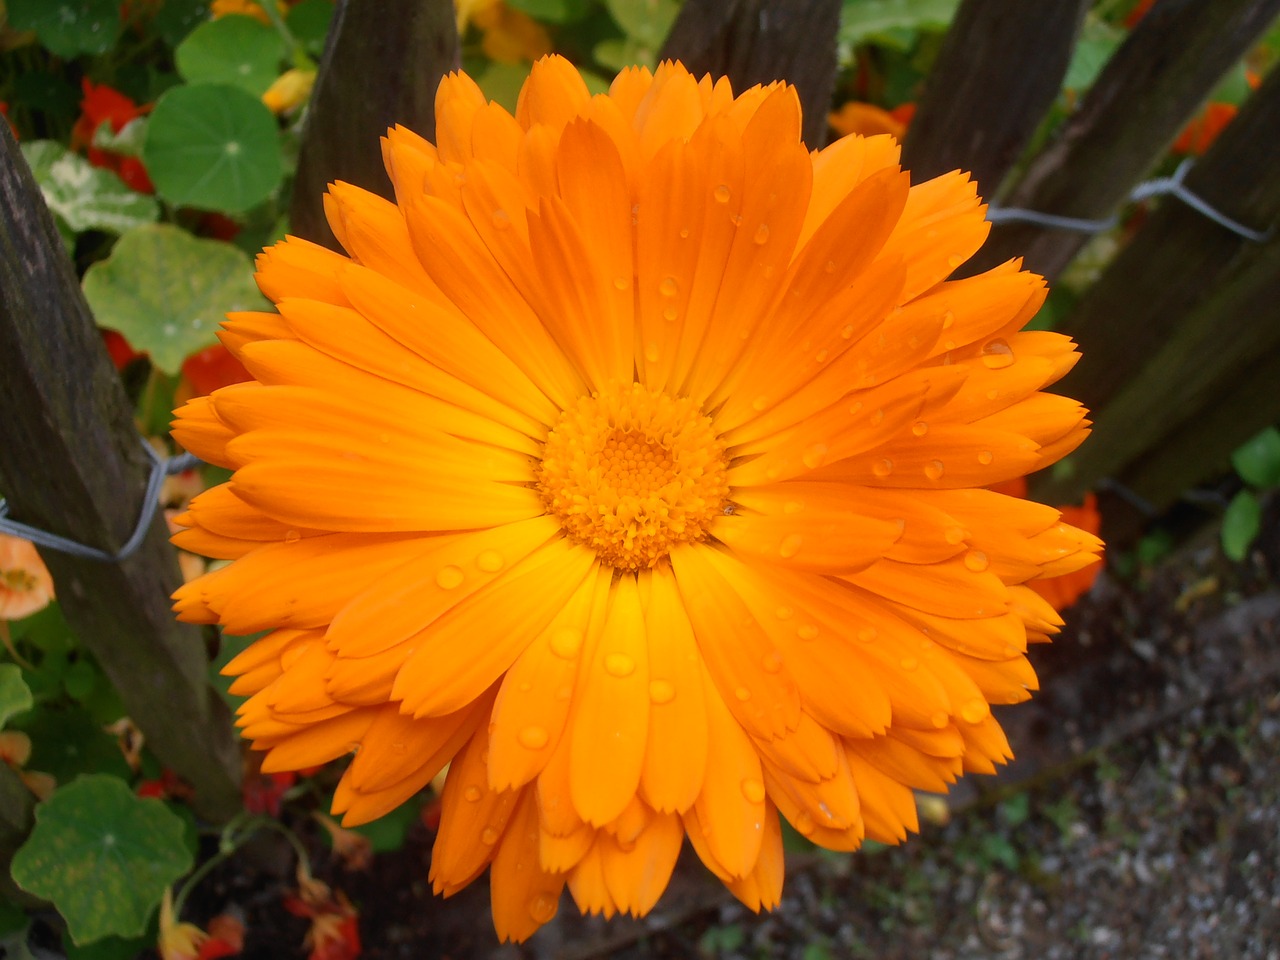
(629, 473)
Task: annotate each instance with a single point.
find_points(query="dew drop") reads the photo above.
(793, 506)
(525, 686)
(661, 691)
(783, 613)
(684, 233)
(790, 545)
(821, 356)
(619, 665)
(772, 662)
(566, 642)
(882, 467)
(846, 331)
(490, 561)
(997, 354)
(292, 536)
(753, 790)
(804, 823)
(953, 535)
(501, 220)
(652, 353)
(535, 738)
(975, 711)
(909, 663)
(855, 407)
(449, 577)
(737, 219)
(542, 908)
(948, 320)
(954, 260)
(976, 561)
(806, 631)
(762, 234)
(668, 287)
(471, 794)
(488, 836)
(759, 403)
(933, 469)
(993, 394)
(985, 457)
(721, 193)
(621, 283)
(830, 266)
(815, 456)
(919, 428)
(940, 719)
(867, 634)
(743, 694)
(877, 418)
(669, 314)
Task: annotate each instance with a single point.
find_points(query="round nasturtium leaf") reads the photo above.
(213, 146)
(236, 50)
(1258, 459)
(15, 695)
(83, 196)
(166, 291)
(68, 27)
(102, 856)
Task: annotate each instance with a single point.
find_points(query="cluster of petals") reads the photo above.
(25, 584)
(808, 612)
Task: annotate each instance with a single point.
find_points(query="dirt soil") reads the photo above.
(1140, 820)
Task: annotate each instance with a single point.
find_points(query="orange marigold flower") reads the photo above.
(25, 584)
(633, 464)
(1063, 589)
(867, 120)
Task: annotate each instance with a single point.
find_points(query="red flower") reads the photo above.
(1199, 134)
(121, 352)
(264, 792)
(212, 368)
(102, 104)
(335, 931)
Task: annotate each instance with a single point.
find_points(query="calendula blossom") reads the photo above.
(633, 463)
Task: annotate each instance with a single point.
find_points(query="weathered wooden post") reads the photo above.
(72, 463)
(381, 66)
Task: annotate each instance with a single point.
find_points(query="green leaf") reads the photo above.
(551, 11)
(103, 856)
(67, 743)
(309, 23)
(81, 195)
(502, 82)
(80, 680)
(167, 291)
(387, 833)
(213, 146)
(177, 18)
(862, 20)
(110, 948)
(1258, 460)
(1240, 525)
(646, 22)
(15, 695)
(69, 27)
(127, 143)
(238, 51)
(1098, 41)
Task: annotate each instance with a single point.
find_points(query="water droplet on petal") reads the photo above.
(501, 220)
(882, 467)
(997, 354)
(867, 634)
(684, 233)
(668, 287)
(806, 631)
(652, 353)
(759, 403)
(783, 613)
(619, 665)
(471, 794)
(919, 428)
(621, 283)
(490, 561)
(721, 193)
(993, 394)
(815, 456)
(743, 694)
(846, 331)
(909, 663)
(753, 790)
(933, 469)
(535, 738)
(566, 642)
(292, 536)
(790, 545)
(985, 457)
(976, 561)
(940, 719)
(488, 836)
(449, 577)
(772, 662)
(804, 823)
(830, 266)
(670, 314)
(543, 907)
(954, 260)
(661, 691)
(762, 234)
(975, 711)
(877, 418)
(948, 319)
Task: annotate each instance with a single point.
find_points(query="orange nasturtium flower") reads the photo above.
(633, 462)
(25, 584)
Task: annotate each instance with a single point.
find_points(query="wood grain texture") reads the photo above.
(71, 463)
(760, 41)
(1156, 80)
(999, 70)
(382, 64)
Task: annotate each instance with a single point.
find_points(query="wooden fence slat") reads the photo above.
(1179, 255)
(1162, 72)
(381, 66)
(759, 41)
(71, 463)
(999, 70)
(1202, 359)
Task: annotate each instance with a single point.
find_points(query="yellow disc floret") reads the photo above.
(630, 472)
